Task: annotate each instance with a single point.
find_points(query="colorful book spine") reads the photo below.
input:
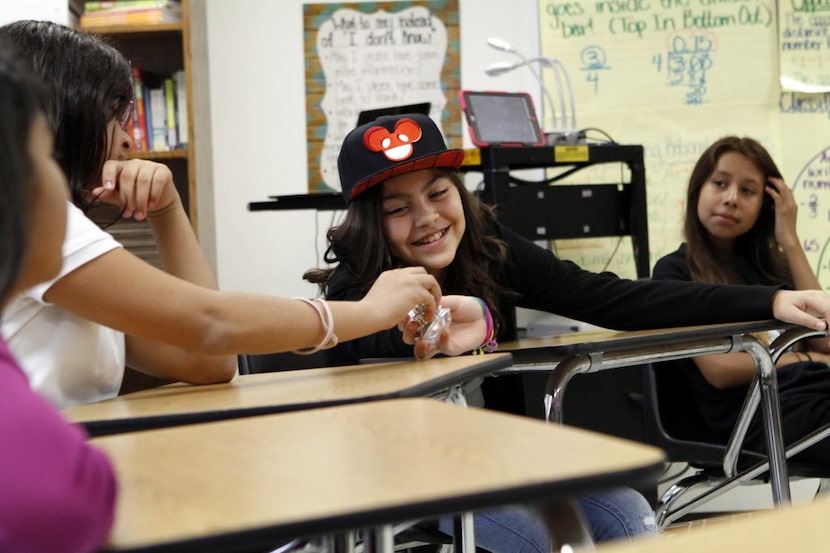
(181, 108)
(139, 117)
(148, 16)
(148, 116)
(170, 113)
(120, 5)
(158, 111)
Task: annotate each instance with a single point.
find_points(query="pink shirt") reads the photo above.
(57, 493)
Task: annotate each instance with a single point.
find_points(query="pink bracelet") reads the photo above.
(329, 340)
(489, 344)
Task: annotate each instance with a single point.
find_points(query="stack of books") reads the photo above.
(159, 120)
(130, 12)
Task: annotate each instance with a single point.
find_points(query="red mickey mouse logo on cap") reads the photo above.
(397, 145)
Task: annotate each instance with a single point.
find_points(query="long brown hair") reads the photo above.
(477, 270)
(88, 83)
(758, 245)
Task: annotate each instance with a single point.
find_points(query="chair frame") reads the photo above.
(678, 500)
(763, 392)
(595, 362)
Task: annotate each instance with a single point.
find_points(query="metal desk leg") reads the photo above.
(558, 380)
(566, 527)
(464, 534)
(379, 540)
(341, 543)
(768, 382)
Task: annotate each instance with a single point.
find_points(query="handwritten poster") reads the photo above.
(806, 154)
(804, 42)
(376, 55)
(674, 76)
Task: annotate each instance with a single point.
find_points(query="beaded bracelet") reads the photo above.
(321, 306)
(489, 344)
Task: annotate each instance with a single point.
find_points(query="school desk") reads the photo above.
(257, 394)
(587, 352)
(800, 529)
(255, 481)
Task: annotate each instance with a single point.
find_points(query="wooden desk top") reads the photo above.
(794, 529)
(258, 480)
(258, 394)
(554, 348)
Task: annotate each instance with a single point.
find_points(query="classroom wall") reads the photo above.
(257, 129)
(50, 10)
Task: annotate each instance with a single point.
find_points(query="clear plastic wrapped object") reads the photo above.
(430, 331)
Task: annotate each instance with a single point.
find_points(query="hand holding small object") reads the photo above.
(430, 331)
(465, 329)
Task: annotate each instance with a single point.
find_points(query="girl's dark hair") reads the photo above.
(88, 83)
(21, 99)
(360, 245)
(759, 245)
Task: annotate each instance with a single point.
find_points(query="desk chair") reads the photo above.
(719, 467)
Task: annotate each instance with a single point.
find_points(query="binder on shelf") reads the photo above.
(170, 113)
(148, 116)
(181, 107)
(158, 128)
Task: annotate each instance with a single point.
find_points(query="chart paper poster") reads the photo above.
(373, 55)
(804, 45)
(676, 75)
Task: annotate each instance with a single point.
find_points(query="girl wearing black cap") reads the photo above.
(409, 207)
(107, 308)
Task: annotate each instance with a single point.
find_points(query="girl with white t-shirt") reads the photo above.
(74, 334)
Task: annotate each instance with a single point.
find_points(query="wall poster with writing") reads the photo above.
(804, 39)
(674, 76)
(374, 55)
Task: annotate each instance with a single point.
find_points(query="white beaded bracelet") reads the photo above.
(321, 306)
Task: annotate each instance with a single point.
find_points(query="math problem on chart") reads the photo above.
(811, 189)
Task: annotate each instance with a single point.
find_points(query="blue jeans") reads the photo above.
(619, 513)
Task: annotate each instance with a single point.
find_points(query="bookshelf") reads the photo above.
(158, 50)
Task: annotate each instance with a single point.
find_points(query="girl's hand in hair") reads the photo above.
(466, 331)
(397, 291)
(139, 186)
(786, 212)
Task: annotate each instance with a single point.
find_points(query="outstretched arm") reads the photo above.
(802, 307)
(120, 291)
(810, 308)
